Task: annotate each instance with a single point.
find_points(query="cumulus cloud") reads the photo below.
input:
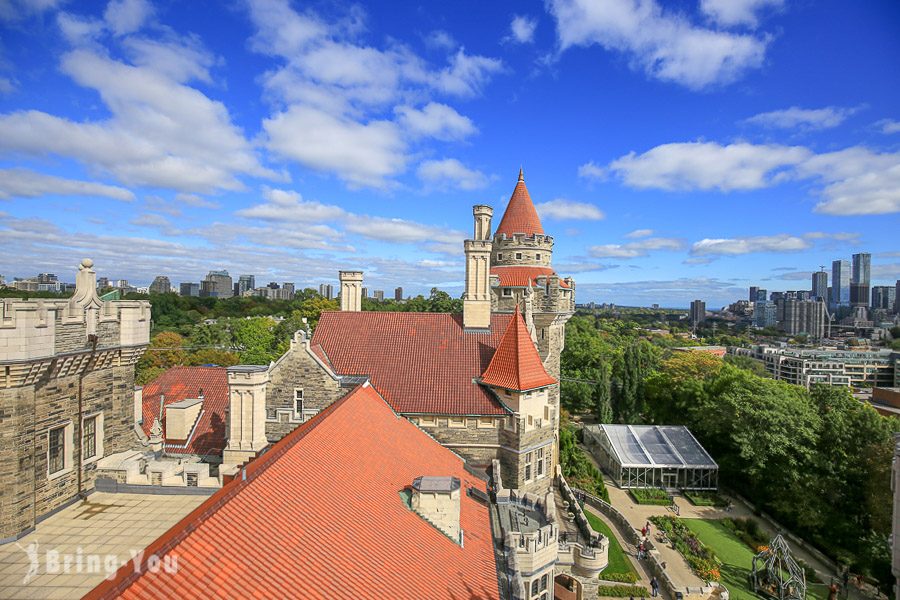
(563, 209)
(197, 201)
(635, 249)
(639, 233)
(467, 74)
(449, 172)
(590, 170)
(288, 206)
(23, 183)
(435, 120)
(746, 245)
(7, 86)
(708, 165)
(664, 45)
(737, 12)
(857, 181)
(888, 126)
(127, 16)
(802, 118)
(521, 29)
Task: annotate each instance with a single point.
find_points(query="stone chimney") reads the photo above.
(436, 499)
(246, 425)
(351, 290)
(477, 298)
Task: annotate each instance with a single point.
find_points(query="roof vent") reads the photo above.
(436, 499)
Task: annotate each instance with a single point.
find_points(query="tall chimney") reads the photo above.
(477, 299)
(351, 290)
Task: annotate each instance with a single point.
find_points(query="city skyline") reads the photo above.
(645, 170)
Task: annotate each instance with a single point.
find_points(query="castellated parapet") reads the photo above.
(66, 396)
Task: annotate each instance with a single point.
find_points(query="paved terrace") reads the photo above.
(106, 525)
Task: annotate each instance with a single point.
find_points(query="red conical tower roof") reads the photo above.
(516, 365)
(520, 215)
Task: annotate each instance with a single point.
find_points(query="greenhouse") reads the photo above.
(652, 456)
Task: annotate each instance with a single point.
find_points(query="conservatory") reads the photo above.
(652, 456)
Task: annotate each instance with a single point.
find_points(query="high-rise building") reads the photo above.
(218, 284)
(808, 317)
(698, 312)
(379, 295)
(47, 278)
(820, 286)
(244, 284)
(764, 312)
(326, 290)
(365, 292)
(884, 297)
(102, 283)
(287, 290)
(161, 285)
(398, 294)
(189, 289)
(860, 279)
(840, 283)
(761, 295)
(897, 306)
(754, 292)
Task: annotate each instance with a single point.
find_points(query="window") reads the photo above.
(518, 256)
(499, 256)
(544, 580)
(537, 256)
(528, 466)
(457, 422)
(427, 420)
(534, 587)
(56, 452)
(507, 291)
(485, 423)
(539, 470)
(89, 438)
(298, 401)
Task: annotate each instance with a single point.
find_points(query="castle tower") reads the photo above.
(521, 260)
(477, 298)
(351, 290)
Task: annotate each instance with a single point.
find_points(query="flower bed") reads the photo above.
(650, 496)
(705, 499)
(623, 591)
(701, 559)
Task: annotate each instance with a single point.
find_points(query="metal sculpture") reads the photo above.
(776, 574)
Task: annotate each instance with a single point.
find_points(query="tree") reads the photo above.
(602, 397)
(255, 337)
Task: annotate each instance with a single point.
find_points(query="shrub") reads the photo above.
(623, 591)
(705, 499)
(748, 531)
(619, 577)
(650, 496)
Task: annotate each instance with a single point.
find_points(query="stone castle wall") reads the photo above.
(505, 250)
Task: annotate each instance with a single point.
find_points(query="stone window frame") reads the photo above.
(302, 399)
(499, 256)
(537, 256)
(544, 581)
(97, 417)
(428, 421)
(507, 292)
(528, 472)
(485, 423)
(67, 448)
(539, 471)
(456, 422)
(518, 256)
(535, 583)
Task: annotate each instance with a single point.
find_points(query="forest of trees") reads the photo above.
(817, 460)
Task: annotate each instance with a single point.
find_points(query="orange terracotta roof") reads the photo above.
(517, 276)
(181, 383)
(520, 215)
(423, 363)
(516, 364)
(320, 515)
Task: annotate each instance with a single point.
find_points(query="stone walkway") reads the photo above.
(106, 527)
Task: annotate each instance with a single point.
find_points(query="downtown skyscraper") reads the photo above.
(840, 283)
(860, 279)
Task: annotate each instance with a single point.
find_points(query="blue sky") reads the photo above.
(675, 150)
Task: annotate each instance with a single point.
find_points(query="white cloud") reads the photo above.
(362, 154)
(449, 172)
(521, 29)
(440, 40)
(160, 133)
(591, 170)
(127, 16)
(79, 30)
(561, 209)
(707, 165)
(665, 45)
(22, 183)
(635, 249)
(180, 60)
(857, 181)
(888, 126)
(746, 245)
(197, 201)
(804, 118)
(736, 12)
(16, 10)
(467, 74)
(6, 85)
(639, 233)
(287, 206)
(435, 120)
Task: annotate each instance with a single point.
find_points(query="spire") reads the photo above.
(520, 216)
(516, 365)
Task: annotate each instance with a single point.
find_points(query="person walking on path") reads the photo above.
(654, 587)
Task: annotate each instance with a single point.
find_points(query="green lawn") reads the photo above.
(619, 562)
(736, 557)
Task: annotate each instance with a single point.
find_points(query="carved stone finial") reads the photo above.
(521, 174)
(87, 263)
(86, 286)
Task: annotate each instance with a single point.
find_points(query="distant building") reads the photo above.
(764, 314)
(244, 284)
(287, 291)
(820, 286)
(398, 294)
(218, 284)
(102, 283)
(897, 297)
(698, 312)
(833, 367)
(365, 292)
(809, 317)
(189, 289)
(840, 283)
(326, 290)
(860, 279)
(161, 285)
(884, 297)
(761, 295)
(379, 295)
(754, 293)
(654, 306)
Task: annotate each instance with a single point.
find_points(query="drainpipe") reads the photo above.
(92, 340)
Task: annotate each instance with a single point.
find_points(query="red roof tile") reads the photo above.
(516, 276)
(520, 215)
(421, 362)
(320, 516)
(516, 364)
(181, 383)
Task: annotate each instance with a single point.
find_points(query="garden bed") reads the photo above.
(705, 499)
(702, 560)
(654, 496)
(619, 568)
(623, 591)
